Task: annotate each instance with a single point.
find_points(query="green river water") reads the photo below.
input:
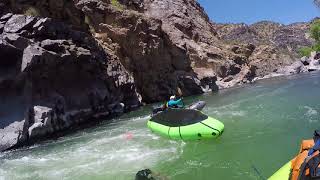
(264, 124)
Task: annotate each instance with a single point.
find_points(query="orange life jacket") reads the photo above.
(296, 163)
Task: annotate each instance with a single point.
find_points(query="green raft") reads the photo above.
(186, 124)
(283, 173)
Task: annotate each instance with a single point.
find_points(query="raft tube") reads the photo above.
(294, 169)
(283, 173)
(185, 124)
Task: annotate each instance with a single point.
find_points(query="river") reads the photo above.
(264, 125)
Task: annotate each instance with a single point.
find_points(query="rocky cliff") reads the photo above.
(275, 44)
(54, 78)
(66, 62)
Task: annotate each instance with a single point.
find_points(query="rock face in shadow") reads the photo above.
(57, 78)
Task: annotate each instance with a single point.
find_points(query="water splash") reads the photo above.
(310, 111)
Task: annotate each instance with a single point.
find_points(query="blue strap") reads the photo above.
(314, 148)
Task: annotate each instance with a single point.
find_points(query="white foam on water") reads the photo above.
(2, 174)
(194, 163)
(312, 121)
(135, 119)
(105, 152)
(310, 111)
(232, 113)
(141, 118)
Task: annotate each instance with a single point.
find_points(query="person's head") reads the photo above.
(316, 134)
(172, 97)
(145, 174)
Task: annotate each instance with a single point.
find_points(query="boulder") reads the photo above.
(316, 56)
(57, 46)
(314, 66)
(314, 62)
(34, 55)
(16, 40)
(209, 84)
(313, 55)
(246, 75)
(17, 23)
(305, 60)
(40, 124)
(295, 68)
(5, 17)
(10, 135)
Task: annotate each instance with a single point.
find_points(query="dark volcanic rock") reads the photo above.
(9, 137)
(16, 40)
(9, 53)
(17, 23)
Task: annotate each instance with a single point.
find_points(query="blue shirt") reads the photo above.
(176, 103)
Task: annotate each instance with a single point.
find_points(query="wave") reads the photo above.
(310, 111)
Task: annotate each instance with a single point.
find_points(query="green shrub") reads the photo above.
(116, 4)
(315, 34)
(305, 51)
(315, 30)
(316, 47)
(31, 11)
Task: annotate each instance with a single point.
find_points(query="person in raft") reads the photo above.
(175, 102)
(316, 147)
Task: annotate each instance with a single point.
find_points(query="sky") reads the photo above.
(251, 11)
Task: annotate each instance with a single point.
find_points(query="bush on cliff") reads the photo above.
(315, 30)
(315, 34)
(117, 5)
(305, 51)
(31, 11)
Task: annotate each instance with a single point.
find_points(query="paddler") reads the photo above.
(175, 102)
(316, 139)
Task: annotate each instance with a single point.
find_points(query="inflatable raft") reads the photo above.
(299, 168)
(185, 124)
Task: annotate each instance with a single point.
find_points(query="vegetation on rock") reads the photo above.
(31, 11)
(315, 34)
(117, 5)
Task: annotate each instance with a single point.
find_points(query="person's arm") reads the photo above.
(180, 103)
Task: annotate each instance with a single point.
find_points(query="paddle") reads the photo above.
(255, 169)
